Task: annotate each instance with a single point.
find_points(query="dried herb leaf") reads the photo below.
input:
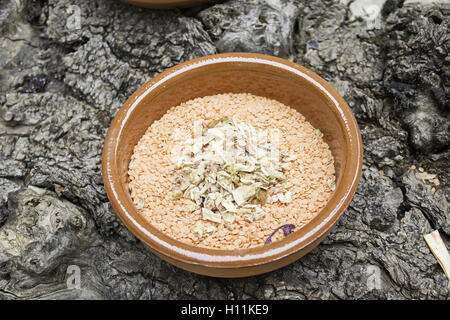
(318, 133)
(287, 230)
(262, 195)
(190, 207)
(211, 216)
(228, 217)
(201, 228)
(332, 185)
(198, 229)
(228, 170)
(243, 193)
(229, 206)
(141, 203)
(284, 198)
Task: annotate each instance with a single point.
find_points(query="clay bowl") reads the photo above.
(261, 75)
(164, 4)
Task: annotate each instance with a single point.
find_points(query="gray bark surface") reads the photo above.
(68, 66)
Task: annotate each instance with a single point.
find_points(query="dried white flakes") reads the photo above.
(228, 170)
(190, 207)
(200, 228)
(141, 203)
(284, 198)
(229, 206)
(211, 216)
(243, 193)
(332, 185)
(318, 133)
(228, 217)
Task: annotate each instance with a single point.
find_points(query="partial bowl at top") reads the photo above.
(164, 4)
(260, 75)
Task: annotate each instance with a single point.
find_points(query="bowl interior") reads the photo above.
(256, 79)
(270, 77)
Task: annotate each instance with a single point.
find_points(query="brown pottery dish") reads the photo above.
(260, 75)
(164, 4)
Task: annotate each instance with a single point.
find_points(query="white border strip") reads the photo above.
(229, 258)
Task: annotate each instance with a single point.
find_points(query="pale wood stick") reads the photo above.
(439, 250)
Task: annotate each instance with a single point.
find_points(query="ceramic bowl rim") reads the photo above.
(164, 4)
(191, 254)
